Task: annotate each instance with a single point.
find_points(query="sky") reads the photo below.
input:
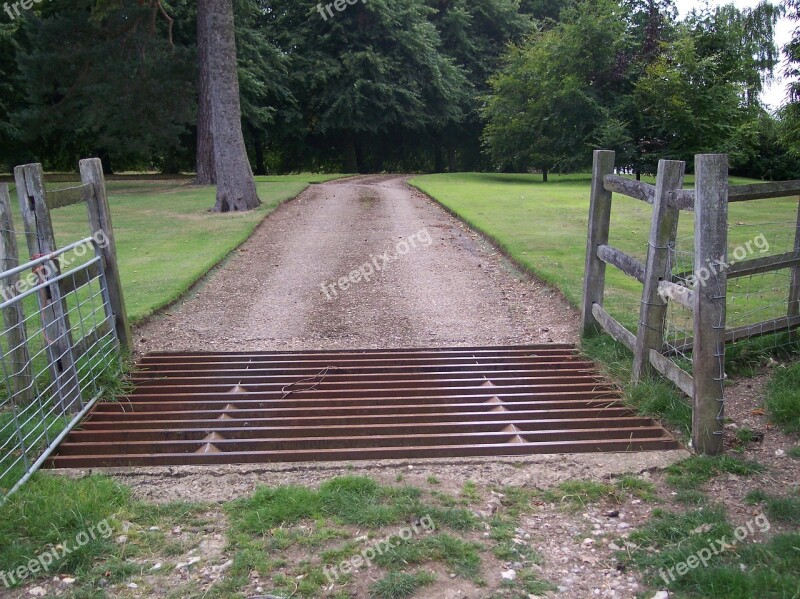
(775, 95)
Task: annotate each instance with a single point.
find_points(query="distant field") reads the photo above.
(166, 237)
(543, 226)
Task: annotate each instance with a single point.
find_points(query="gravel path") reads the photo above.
(424, 279)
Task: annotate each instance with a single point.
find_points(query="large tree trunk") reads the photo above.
(206, 174)
(236, 188)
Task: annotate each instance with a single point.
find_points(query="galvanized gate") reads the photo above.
(64, 320)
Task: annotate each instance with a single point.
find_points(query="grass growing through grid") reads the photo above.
(653, 396)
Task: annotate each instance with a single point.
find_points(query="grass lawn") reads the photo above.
(166, 238)
(544, 226)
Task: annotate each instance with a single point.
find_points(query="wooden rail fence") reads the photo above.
(706, 298)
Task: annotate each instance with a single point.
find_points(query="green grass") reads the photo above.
(697, 470)
(460, 556)
(779, 509)
(578, 493)
(783, 400)
(348, 500)
(794, 452)
(654, 397)
(275, 520)
(166, 238)
(49, 511)
(543, 227)
(397, 585)
(768, 570)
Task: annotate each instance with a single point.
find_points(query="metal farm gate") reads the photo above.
(64, 320)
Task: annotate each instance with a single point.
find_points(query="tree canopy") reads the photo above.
(401, 84)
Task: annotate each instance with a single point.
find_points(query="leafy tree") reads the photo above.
(549, 101)
(368, 73)
(10, 93)
(104, 82)
(474, 34)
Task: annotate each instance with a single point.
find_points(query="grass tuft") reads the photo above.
(462, 557)
(396, 585)
(778, 509)
(49, 511)
(671, 541)
(697, 470)
(782, 402)
(652, 397)
(578, 493)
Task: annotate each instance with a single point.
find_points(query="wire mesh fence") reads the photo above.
(754, 302)
(57, 345)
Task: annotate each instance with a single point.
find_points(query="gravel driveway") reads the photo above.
(365, 262)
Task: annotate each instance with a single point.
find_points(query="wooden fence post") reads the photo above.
(711, 244)
(56, 329)
(794, 283)
(13, 315)
(663, 231)
(102, 230)
(599, 221)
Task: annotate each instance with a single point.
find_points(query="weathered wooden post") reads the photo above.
(13, 315)
(102, 230)
(599, 222)
(663, 232)
(55, 322)
(711, 245)
(794, 282)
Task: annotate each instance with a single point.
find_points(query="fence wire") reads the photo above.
(752, 301)
(54, 353)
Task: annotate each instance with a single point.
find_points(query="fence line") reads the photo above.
(705, 297)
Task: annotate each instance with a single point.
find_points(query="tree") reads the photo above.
(474, 35)
(108, 82)
(236, 188)
(370, 73)
(549, 100)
